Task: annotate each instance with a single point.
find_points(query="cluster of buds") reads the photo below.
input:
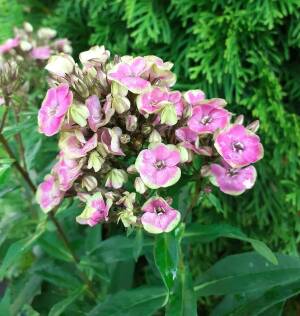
(125, 136)
(27, 44)
(27, 48)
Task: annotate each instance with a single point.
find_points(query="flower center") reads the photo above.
(160, 164)
(238, 147)
(159, 210)
(206, 120)
(231, 172)
(52, 110)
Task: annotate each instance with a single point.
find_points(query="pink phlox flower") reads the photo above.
(159, 216)
(9, 45)
(49, 194)
(158, 166)
(96, 210)
(74, 145)
(110, 138)
(54, 108)
(238, 146)
(130, 75)
(159, 72)
(230, 180)
(99, 116)
(194, 97)
(66, 171)
(207, 118)
(42, 52)
(190, 140)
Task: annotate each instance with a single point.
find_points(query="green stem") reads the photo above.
(51, 216)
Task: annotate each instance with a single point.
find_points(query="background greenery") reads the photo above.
(245, 51)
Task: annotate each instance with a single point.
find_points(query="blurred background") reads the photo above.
(244, 51)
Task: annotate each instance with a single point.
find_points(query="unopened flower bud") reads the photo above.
(146, 129)
(25, 46)
(117, 89)
(205, 171)
(168, 114)
(131, 123)
(155, 137)
(102, 150)
(239, 119)
(185, 154)
(80, 87)
(46, 33)
(79, 113)
(116, 178)
(124, 139)
(254, 126)
(187, 111)
(139, 185)
(131, 169)
(95, 161)
(120, 104)
(60, 65)
(95, 55)
(127, 218)
(28, 27)
(89, 182)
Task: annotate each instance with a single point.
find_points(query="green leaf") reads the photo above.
(166, 258)
(61, 306)
(55, 248)
(215, 202)
(138, 243)
(5, 303)
(28, 292)
(140, 301)
(207, 233)
(182, 301)
(17, 249)
(116, 248)
(31, 153)
(247, 272)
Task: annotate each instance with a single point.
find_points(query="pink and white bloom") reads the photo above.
(99, 116)
(110, 139)
(54, 108)
(230, 180)
(207, 119)
(194, 97)
(9, 45)
(74, 145)
(66, 171)
(159, 72)
(42, 52)
(130, 75)
(48, 194)
(95, 55)
(158, 166)
(238, 146)
(96, 210)
(190, 140)
(154, 100)
(159, 216)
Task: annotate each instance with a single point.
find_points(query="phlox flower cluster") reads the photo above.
(125, 135)
(28, 48)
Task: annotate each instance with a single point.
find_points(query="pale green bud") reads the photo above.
(95, 161)
(155, 137)
(89, 182)
(79, 113)
(127, 218)
(116, 178)
(139, 185)
(168, 114)
(120, 104)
